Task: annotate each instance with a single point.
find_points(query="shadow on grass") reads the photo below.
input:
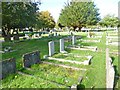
(81, 87)
(113, 58)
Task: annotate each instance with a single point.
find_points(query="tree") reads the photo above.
(79, 14)
(110, 20)
(17, 15)
(45, 20)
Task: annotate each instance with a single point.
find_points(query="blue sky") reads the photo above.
(55, 6)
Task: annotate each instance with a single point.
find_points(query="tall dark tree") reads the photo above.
(17, 15)
(79, 14)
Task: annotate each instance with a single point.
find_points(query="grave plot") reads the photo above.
(79, 47)
(59, 75)
(85, 60)
(22, 80)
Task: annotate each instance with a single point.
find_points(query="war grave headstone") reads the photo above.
(51, 48)
(62, 46)
(51, 52)
(31, 58)
(80, 47)
(7, 67)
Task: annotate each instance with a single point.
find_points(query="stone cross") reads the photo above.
(51, 48)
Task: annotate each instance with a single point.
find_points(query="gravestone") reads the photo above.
(51, 48)
(27, 36)
(7, 67)
(61, 45)
(88, 35)
(16, 37)
(31, 58)
(73, 40)
(55, 34)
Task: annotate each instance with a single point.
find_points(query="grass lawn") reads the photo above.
(95, 76)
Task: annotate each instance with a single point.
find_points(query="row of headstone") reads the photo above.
(51, 46)
(110, 73)
(9, 66)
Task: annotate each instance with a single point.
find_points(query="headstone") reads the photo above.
(55, 33)
(7, 67)
(73, 40)
(62, 46)
(27, 36)
(51, 48)
(31, 58)
(88, 35)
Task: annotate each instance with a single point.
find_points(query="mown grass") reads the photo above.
(95, 75)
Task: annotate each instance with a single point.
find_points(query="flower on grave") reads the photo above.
(66, 81)
(16, 76)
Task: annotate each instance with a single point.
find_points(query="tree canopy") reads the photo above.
(18, 15)
(110, 20)
(45, 20)
(79, 14)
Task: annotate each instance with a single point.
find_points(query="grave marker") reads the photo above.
(7, 67)
(31, 58)
(62, 46)
(73, 40)
(51, 48)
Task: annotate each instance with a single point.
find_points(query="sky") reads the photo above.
(55, 6)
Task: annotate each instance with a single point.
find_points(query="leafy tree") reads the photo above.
(45, 20)
(110, 20)
(79, 14)
(17, 15)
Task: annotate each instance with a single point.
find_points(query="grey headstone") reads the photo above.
(31, 58)
(8, 67)
(62, 45)
(51, 48)
(73, 40)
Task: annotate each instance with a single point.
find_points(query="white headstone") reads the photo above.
(51, 48)
(88, 35)
(61, 45)
(73, 40)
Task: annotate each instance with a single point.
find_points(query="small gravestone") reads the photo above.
(55, 34)
(16, 37)
(88, 35)
(7, 67)
(73, 40)
(62, 46)
(27, 36)
(31, 58)
(51, 48)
